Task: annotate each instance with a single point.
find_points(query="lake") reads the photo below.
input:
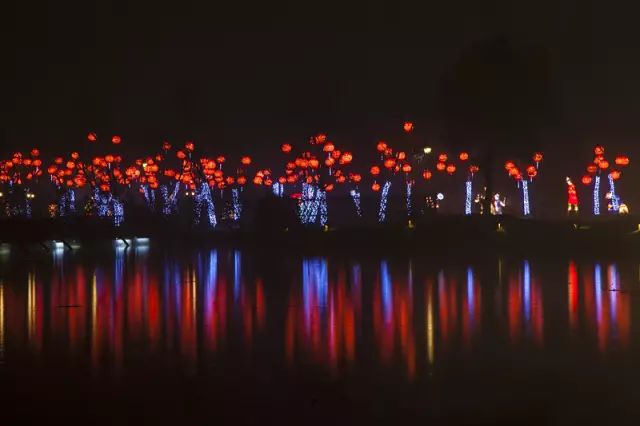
(175, 335)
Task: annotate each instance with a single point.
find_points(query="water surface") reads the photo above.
(166, 335)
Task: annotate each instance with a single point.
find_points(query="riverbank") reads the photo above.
(439, 234)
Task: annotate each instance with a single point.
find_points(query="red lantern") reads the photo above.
(406, 168)
(474, 169)
(451, 168)
(116, 140)
(586, 179)
(329, 162)
(408, 127)
(442, 157)
(441, 166)
(246, 160)
(382, 146)
(622, 160)
(221, 159)
(189, 146)
(464, 156)
(286, 148)
(35, 152)
(537, 157)
(389, 163)
(598, 150)
(92, 137)
(347, 157)
(375, 187)
(532, 172)
(321, 138)
(375, 170)
(591, 168)
(615, 174)
(181, 155)
(356, 178)
(314, 163)
(401, 155)
(426, 174)
(604, 164)
(509, 165)
(328, 147)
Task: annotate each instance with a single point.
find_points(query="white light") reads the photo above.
(440, 196)
(142, 240)
(427, 150)
(58, 244)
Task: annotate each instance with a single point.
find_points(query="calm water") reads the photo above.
(170, 336)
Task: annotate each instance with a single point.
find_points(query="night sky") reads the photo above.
(245, 77)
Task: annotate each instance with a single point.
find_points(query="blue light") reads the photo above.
(525, 198)
(237, 205)
(467, 199)
(596, 196)
(202, 199)
(67, 203)
(387, 293)
(409, 199)
(355, 196)
(615, 201)
(382, 213)
(169, 201)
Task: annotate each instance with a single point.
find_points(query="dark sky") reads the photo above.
(249, 75)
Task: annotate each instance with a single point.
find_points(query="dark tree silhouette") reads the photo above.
(495, 100)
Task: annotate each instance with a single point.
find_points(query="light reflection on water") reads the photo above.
(408, 317)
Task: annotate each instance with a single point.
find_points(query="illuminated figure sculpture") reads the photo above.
(478, 201)
(497, 204)
(572, 197)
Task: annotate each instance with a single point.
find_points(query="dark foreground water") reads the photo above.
(152, 335)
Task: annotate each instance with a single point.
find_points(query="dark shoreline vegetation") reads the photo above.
(445, 235)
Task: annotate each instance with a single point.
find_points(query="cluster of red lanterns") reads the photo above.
(601, 164)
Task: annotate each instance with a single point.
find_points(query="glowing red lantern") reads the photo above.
(442, 158)
(221, 159)
(35, 152)
(181, 154)
(615, 174)
(166, 146)
(382, 146)
(464, 156)
(375, 170)
(532, 172)
(451, 168)
(592, 168)
(347, 157)
(604, 164)
(189, 146)
(586, 179)
(509, 165)
(598, 150)
(389, 163)
(320, 138)
(401, 155)
(92, 137)
(71, 165)
(328, 147)
(441, 166)
(286, 148)
(537, 157)
(246, 160)
(622, 160)
(116, 140)
(356, 178)
(314, 163)
(426, 174)
(329, 162)
(408, 127)
(375, 187)
(406, 168)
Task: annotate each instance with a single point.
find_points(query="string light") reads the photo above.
(525, 198)
(615, 204)
(355, 196)
(596, 195)
(382, 212)
(203, 199)
(409, 199)
(467, 199)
